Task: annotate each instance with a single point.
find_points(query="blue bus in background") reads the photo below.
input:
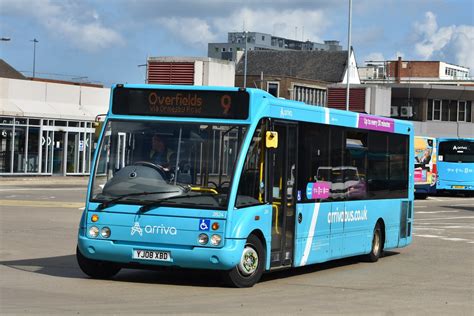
(238, 181)
(455, 165)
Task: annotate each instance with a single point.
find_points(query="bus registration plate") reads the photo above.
(151, 255)
(458, 187)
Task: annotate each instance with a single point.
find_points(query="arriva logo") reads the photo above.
(160, 230)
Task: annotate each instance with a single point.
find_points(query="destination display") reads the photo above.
(182, 103)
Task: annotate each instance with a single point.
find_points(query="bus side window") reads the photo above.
(251, 185)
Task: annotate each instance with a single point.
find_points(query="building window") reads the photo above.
(445, 110)
(309, 95)
(453, 109)
(449, 110)
(230, 49)
(430, 110)
(273, 88)
(462, 111)
(263, 38)
(223, 49)
(468, 111)
(437, 110)
(216, 49)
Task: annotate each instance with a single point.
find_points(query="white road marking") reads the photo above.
(44, 189)
(436, 212)
(420, 206)
(444, 238)
(444, 218)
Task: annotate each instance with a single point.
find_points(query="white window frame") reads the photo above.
(440, 109)
(278, 87)
(459, 108)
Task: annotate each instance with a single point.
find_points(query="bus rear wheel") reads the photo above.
(250, 268)
(377, 244)
(96, 269)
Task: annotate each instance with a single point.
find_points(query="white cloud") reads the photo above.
(454, 43)
(200, 31)
(192, 31)
(84, 30)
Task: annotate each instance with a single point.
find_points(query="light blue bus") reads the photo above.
(455, 165)
(238, 181)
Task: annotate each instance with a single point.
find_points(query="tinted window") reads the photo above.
(314, 162)
(355, 172)
(456, 151)
(249, 192)
(378, 173)
(398, 155)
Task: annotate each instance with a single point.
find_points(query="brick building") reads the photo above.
(296, 75)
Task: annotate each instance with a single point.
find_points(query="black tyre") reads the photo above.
(421, 196)
(377, 244)
(251, 265)
(96, 269)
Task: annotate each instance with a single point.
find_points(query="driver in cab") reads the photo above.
(159, 151)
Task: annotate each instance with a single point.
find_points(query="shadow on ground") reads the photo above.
(66, 267)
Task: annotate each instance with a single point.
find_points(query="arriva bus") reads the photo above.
(456, 165)
(239, 181)
(425, 166)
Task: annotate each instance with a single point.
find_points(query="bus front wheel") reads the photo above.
(251, 265)
(377, 244)
(96, 269)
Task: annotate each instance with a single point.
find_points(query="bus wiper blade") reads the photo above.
(106, 204)
(149, 206)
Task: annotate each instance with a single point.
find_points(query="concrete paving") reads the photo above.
(39, 274)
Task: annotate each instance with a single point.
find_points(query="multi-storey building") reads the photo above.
(239, 41)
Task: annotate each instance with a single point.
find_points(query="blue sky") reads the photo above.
(105, 41)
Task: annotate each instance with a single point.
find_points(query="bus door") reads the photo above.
(283, 193)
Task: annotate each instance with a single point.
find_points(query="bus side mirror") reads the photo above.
(271, 140)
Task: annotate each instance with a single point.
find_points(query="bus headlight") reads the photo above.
(105, 232)
(216, 240)
(203, 239)
(94, 232)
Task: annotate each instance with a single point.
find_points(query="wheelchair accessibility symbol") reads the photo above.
(204, 224)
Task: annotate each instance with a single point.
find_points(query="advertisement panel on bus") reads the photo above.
(425, 166)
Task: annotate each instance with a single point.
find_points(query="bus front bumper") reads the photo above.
(224, 258)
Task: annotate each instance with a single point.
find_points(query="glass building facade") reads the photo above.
(40, 146)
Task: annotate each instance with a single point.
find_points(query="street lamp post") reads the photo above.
(34, 54)
(348, 55)
(245, 60)
(146, 70)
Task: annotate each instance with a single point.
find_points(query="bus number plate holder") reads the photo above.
(153, 255)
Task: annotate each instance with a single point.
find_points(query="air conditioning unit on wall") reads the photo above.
(406, 111)
(394, 111)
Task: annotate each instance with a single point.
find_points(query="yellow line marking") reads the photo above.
(41, 203)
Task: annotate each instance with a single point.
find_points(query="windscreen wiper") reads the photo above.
(149, 206)
(115, 200)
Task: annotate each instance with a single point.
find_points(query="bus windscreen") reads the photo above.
(181, 103)
(456, 151)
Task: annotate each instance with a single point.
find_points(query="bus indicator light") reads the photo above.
(215, 226)
(95, 218)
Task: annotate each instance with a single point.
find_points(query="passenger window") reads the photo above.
(252, 185)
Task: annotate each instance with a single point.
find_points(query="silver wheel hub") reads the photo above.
(248, 262)
(376, 243)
